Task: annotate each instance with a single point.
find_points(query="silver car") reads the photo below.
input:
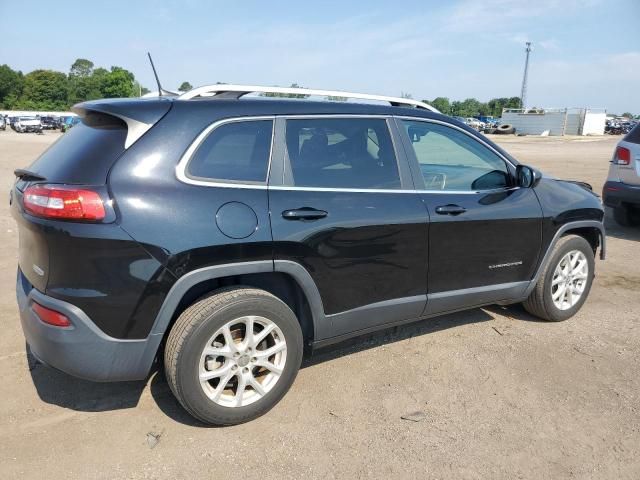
(622, 189)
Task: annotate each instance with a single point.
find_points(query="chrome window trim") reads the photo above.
(450, 125)
(217, 183)
(181, 168)
(386, 118)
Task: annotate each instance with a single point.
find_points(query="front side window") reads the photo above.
(236, 151)
(342, 153)
(451, 160)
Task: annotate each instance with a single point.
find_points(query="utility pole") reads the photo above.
(523, 92)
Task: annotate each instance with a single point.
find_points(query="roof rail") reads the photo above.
(237, 91)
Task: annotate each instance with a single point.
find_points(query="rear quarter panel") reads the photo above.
(176, 222)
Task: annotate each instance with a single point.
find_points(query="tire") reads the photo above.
(232, 308)
(541, 302)
(505, 129)
(626, 216)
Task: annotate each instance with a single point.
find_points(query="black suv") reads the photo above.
(226, 234)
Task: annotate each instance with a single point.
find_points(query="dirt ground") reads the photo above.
(499, 394)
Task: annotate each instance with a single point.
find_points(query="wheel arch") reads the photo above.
(591, 230)
(288, 281)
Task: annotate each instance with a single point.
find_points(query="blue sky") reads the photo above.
(586, 53)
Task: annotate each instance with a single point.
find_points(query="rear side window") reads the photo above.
(342, 153)
(85, 153)
(634, 135)
(236, 151)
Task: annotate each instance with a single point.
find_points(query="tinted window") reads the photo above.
(85, 153)
(342, 153)
(452, 160)
(237, 151)
(634, 135)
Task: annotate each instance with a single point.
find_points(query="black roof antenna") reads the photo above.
(160, 89)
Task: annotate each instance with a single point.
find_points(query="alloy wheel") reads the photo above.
(242, 361)
(569, 280)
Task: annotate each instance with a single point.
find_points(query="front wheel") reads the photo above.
(565, 282)
(231, 356)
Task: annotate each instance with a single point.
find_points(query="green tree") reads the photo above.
(627, 115)
(139, 89)
(470, 108)
(441, 103)
(496, 105)
(118, 83)
(11, 85)
(44, 90)
(81, 68)
(83, 84)
(456, 110)
(185, 87)
(514, 102)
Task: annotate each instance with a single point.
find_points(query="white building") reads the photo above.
(566, 121)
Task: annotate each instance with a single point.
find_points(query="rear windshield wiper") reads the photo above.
(27, 175)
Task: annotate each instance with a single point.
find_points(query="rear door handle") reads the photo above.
(450, 209)
(304, 213)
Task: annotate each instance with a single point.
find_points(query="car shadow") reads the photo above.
(59, 389)
(395, 334)
(617, 231)
(170, 406)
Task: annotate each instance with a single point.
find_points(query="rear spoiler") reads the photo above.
(139, 115)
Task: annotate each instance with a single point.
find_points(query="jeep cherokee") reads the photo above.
(223, 233)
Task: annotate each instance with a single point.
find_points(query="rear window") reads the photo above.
(236, 151)
(84, 154)
(634, 135)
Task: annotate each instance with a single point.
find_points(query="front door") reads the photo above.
(346, 213)
(485, 233)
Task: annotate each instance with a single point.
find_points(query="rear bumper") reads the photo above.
(81, 350)
(616, 193)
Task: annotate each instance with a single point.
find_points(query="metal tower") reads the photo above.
(523, 92)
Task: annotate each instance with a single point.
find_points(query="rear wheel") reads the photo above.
(231, 356)
(565, 282)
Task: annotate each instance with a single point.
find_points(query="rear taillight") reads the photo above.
(50, 317)
(63, 202)
(623, 156)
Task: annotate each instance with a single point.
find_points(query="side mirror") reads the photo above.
(527, 177)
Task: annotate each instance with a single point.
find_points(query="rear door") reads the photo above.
(485, 233)
(342, 207)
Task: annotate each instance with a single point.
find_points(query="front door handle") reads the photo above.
(304, 213)
(450, 209)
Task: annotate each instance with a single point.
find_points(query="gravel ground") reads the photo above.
(490, 393)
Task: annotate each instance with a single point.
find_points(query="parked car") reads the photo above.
(48, 122)
(28, 124)
(474, 123)
(622, 188)
(224, 235)
(68, 123)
